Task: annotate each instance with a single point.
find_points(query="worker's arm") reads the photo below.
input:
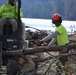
(1, 10)
(21, 13)
(50, 36)
(52, 41)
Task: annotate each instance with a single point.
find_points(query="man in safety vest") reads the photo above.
(9, 11)
(60, 36)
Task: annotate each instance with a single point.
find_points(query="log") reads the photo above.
(32, 51)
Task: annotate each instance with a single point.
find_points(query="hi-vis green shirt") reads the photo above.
(8, 11)
(62, 38)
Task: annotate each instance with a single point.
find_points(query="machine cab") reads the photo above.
(13, 36)
(12, 39)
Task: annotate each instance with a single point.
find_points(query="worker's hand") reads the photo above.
(40, 43)
(45, 44)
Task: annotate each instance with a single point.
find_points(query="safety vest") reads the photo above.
(8, 11)
(62, 38)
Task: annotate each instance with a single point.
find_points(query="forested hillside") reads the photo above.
(46, 8)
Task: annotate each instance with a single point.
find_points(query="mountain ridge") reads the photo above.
(44, 9)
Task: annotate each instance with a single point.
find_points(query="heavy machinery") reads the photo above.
(12, 40)
(13, 44)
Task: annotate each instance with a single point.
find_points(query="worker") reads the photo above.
(9, 11)
(60, 35)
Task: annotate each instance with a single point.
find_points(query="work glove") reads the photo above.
(40, 43)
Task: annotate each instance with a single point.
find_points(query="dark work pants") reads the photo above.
(64, 59)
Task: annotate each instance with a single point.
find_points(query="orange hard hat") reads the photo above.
(56, 17)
